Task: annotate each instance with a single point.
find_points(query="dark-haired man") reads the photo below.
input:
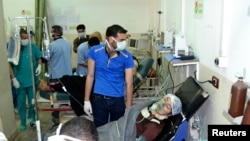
(59, 56)
(110, 65)
(81, 30)
(82, 52)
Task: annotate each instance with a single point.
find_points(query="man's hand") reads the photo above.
(38, 69)
(87, 108)
(15, 83)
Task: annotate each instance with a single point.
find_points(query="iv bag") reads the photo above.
(13, 47)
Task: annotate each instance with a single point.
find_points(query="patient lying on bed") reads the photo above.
(75, 87)
(142, 122)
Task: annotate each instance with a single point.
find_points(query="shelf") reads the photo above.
(179, 62)
(236, 120)
(163, 49)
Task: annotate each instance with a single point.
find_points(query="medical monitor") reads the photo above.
(181, 48)
(167, 38)
(138, 44)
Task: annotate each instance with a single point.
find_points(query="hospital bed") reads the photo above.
(192, 97)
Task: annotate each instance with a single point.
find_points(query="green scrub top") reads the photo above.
(22, 70)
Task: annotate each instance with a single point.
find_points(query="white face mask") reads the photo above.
(120, 45)
(81, 34)
(24, 42)
(52, 36)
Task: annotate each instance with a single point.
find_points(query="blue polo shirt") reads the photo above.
(82, 52)
(110, 72)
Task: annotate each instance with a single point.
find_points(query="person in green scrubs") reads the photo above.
(21, 75)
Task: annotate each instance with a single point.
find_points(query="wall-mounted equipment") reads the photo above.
(167, 38)
(138, 44)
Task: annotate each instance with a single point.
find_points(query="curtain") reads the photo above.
(40, 11)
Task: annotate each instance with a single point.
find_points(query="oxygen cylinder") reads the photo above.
(238, 98)
(246, 116)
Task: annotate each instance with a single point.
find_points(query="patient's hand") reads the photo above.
(43, 86)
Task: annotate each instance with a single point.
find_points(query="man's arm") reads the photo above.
(12, 75)
(75, 45)
(129, 87)
(90, 79)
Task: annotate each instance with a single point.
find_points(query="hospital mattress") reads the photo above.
(142, 71)
(57, 96)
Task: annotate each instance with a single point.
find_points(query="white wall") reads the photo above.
(221, 32)
(13, 9)
(223, 29)
(98, 15)
(7, 116)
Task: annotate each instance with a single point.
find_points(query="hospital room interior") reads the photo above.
(173, 40)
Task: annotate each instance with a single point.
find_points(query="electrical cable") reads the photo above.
(170, 73)
(65, 90)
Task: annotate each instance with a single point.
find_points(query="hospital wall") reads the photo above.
(221, 29)
(7, 116)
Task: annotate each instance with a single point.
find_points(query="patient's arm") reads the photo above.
(71, 83)
(150, 130)
(49, 87)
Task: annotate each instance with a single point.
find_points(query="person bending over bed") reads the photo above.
(142, 122)
(74, 85)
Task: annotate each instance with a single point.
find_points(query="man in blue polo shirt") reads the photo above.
(110, 72)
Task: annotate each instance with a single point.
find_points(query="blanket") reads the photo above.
(124, 129)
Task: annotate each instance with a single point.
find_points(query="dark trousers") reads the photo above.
(107, 109)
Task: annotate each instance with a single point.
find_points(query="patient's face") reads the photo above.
(166, 109)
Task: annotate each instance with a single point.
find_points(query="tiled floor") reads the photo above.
(45, 125)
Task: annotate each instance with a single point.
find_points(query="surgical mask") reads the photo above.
(24, 42)
(157, 106)
(81, 34)
(52, 35)
(120, 45)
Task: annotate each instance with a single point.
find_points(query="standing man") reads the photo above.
(22, 75)
(59, 55)
(82, 53)
(81, 37)
(110, 65)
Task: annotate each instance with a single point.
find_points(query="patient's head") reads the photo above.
(76, 129)
(43, 85)
(169, 105)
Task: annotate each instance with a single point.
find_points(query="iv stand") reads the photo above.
(32, 73)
